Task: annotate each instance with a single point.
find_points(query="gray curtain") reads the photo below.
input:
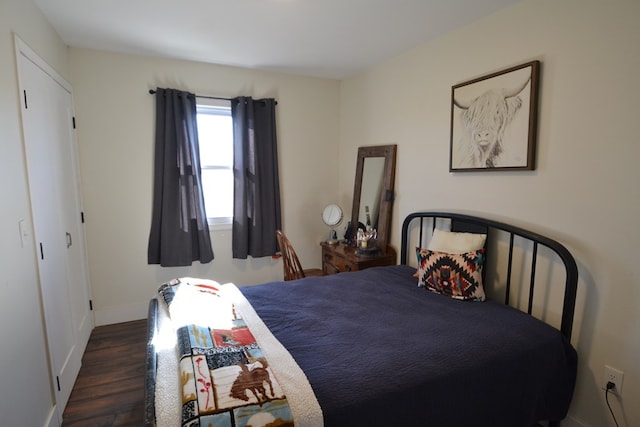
(256, 208)
(179, 230)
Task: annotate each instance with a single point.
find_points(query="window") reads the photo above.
(215, 136)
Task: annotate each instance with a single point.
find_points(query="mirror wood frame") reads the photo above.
(387, 196)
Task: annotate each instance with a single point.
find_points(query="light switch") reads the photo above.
(24, 233)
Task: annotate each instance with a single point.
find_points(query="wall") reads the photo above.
(27, 397)
(584, 191)
(116, 123)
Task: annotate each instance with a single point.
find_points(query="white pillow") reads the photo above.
(456, 243)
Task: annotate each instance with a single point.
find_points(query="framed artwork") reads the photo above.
(494, 121)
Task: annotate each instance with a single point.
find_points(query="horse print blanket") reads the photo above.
(225, 377)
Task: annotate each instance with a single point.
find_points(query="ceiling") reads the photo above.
(321, 38)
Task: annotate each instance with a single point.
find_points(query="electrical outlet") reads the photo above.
(615, 376)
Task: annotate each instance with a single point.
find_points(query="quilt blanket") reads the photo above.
(226, 379)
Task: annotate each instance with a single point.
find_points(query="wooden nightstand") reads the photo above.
(339, 258)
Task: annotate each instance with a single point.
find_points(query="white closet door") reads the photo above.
(72, 221)
(56, 211)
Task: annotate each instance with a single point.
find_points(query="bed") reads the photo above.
(374, 348)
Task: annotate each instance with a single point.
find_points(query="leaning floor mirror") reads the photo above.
(373, 192)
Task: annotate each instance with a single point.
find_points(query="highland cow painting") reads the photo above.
(494, 121)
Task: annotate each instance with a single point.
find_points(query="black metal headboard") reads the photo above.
(419, 222)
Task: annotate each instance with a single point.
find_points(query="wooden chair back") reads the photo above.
(292, 268)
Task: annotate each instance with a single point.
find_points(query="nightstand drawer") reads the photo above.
(339, 258)
(336, 263)
(329, 268)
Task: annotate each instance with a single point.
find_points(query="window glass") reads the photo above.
(215, 136)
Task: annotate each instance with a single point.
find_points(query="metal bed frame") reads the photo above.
(472, 224)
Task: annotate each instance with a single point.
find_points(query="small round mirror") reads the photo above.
(332, 215)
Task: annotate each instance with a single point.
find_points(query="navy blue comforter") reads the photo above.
(379, 351)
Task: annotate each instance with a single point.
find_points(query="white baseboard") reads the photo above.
(122, 313)
(572, 422)
(53, 420)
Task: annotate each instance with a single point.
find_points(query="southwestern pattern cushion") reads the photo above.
(456, 275)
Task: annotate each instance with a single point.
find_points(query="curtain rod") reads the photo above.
(152, 92)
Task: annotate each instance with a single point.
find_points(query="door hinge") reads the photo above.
(90, 305)
(25, 99)
(58, 381)
(82, 217)
(73, 121)
(41, 251)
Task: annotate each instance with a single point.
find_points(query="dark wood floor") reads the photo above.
(109, 390)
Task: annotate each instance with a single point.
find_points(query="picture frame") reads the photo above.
(494, 121)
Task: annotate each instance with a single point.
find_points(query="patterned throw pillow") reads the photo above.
(456, 275)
